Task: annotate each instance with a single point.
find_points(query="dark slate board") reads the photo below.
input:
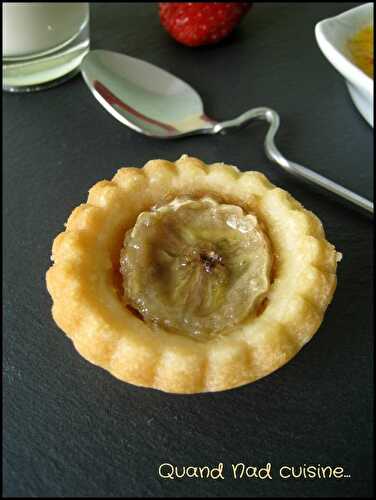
(70, 429)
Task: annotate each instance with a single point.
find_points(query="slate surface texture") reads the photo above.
(70, 429)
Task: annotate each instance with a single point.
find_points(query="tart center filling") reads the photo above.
(196, 267)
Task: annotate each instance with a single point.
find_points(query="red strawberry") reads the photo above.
(195, 24)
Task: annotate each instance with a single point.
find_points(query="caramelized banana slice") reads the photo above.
(196, 267)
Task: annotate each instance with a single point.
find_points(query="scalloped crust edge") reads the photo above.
(88, 308)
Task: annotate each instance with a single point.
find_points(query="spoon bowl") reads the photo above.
(144, 97)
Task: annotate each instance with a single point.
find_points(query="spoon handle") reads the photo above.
(273, 153)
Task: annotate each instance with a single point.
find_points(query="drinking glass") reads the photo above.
(43, 43)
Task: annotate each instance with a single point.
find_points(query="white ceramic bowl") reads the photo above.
(332, 35)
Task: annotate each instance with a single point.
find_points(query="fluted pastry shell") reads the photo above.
(85, 282)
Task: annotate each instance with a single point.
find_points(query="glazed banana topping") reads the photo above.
(196, 267)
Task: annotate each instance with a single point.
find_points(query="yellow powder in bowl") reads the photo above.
(361, 49)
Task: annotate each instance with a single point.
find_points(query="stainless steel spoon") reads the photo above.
(156, 103)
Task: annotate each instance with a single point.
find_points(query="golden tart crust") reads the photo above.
(85, 281)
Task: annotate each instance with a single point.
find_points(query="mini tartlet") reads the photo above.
(89, 285)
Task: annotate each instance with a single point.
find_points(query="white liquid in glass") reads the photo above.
(34, 28)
